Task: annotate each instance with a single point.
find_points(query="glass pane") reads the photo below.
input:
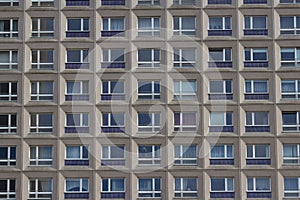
(287, 54)
(288, 86)
(260, 86)
(188, 23)
(145, 55)
(117, 119)
(74, 24)
(216, 86)
(259, 22)
(117, 24)
(46, 25)
(190, 184)
(261, 151)
(215, 23)
(73, 56)
(144, 119)
(262, 184)
(291, 184)
(217, 184)
(117, 151)
(117, 87)
(45, 119)
(289, 118)
(287, 22)
(3, 153)
(46, 88)
(72, 185)
(217, 119)
(261, 118)
(117, 185)
(216, 55)
(218, 151)
(73, 152)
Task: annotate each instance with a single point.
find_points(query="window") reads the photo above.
(185, 90)
(291, 154)
(220, 58)
(148, 2)
(220, 89)
(184, 26)
(149, 155)
(77, 155)
(113, 188)
(257, 122)
(113, 122)
(42, 3)
(42, 91)
(255, 25)
(255, 1)
(77, 119)
(78, 27)
(149, 90)
(7, 157)
(113, 90)
(149, 58)
(184, 2)
(256, 57)
(148, 122)
(290, 89)
(113, 155)
(149, 187)
(40, 188)
(77, 59)
(256, 89)
(219, 26)
(217, 2)
(290, 121)
(221, 154)
(7, 189)
(112, 2)
(77, 90)
(9, 3)
(113, 27)
(186, 187)
(184, 57)
(77, 3)
(289, 25)
(185, 154)
(258, 154)
(221, 185)
(220, 122)
(113, 58)
(149, 26)
(290, 57)
(8, 60)
(41, 155)
(261, 184)
(185, 121)
(9, 28)
(291, 187)
(289, 1)
(42, 27)
(42, 59)
(8, 91)
(77, 188)
(8, 123)
(41, 123)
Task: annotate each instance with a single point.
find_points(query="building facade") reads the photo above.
(149, 99)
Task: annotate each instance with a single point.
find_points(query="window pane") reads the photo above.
(74, 24)
(217, 184)
(218, 151)
(189, 184)
(216, 86)
(117, 184)
(261, 118)
(259, 22)
(287, 54)
(73, 56)
(260, 86)
(262, 184)
(117, 151)
(72, 185)
(215, 23)
(261, 151)
(144, 119)
(286, 22)
(73, 152)
(288, 86)
(291, 184)
(217, 119)
(188, 23)
(289, 118)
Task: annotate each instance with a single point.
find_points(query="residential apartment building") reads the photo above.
(149, 99)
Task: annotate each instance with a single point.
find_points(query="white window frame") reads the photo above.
(292, 158)
(36, 193)
(152, 94)
(182, 94)
(153, 192)
(254, 185)
(182, 126)
(223, 23)
(109, 185)
(253, 120)
(80, 185)
(181, 191)
(153, 63)
(252, 86)
(296, 93)
(151, 31)
(109, 87)
(110, 115)
(81, 25)
(226, 179)
(10, 128)
(38, 127)
(11, 31)
(109, 152)
(42, 1)
(181, 30)
(82, 58)
(254, 152)
(294, 2)
(224, 55)
(80, 152)
(37, 159)
(225, 146)
(180, 2)
(10, 1)
(81, 119)
(152, 127)
(296, 60)
(39, 63)
(9, 95)
(8, 192)
(225, 118)
(148, 2)
(292, 191)
(224, 87)
(39, 31)
(297, 125)
(181, 159)
(38, 95)
(295, 29)
(153, 159)
(109, 55)
(109, 23)
(81, 87)
(251, 23)
(9, 160)
(252, 50)
(181, 62)
(11, 64)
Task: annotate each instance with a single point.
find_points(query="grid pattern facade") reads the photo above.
(223, 102)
